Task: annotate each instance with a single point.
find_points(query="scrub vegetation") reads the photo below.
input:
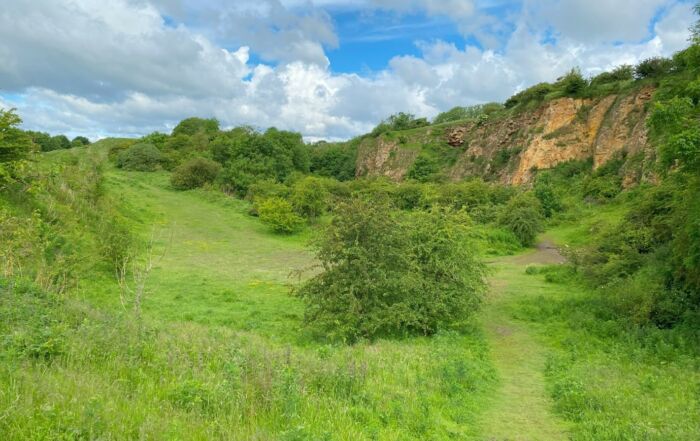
(241, 284)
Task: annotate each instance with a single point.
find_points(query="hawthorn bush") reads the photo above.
(389, 273)
(195, 173)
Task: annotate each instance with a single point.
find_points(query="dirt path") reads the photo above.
(521, 408)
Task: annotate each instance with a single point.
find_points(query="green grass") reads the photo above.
(608, 379)
(221, 352)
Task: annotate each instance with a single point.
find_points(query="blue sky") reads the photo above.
(330, 69)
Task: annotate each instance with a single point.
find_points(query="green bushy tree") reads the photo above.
(140, 157)
(653, 68)
(15, 145)
(79, 141)
(192, 126)
(309, 197)
(195, 173)
(279, 215)
(273, 155)
(388, 274)
(523, 217)
(573, 83)
(624, 72)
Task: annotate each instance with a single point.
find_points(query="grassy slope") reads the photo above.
(223, 354)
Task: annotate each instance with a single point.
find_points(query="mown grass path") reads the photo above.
(520, 409)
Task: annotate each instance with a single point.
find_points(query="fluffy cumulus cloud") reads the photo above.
(129, 67)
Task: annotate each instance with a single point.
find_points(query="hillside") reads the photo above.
(510, 148)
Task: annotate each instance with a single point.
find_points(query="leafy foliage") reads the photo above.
(140, 157)
(195, 173)
(279, 215)
(476, 112)
(399, 121)
(653, 68)
(523, 217)
(14, 143)
(387, 274)
(309, 197)
(192, 126)
(334, 160)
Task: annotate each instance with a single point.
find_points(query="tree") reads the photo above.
(279, 215)
(60, 142)
(544, 191)
(399, 121)
(573, 82)
(523, 217)
(309, 197)
(80, 141)
(624, 72)
(695, 28)
(15, 145)
(192, 126)
(390, 274)
(140, 157)
(652, 68)
(273, 155)
(195, 173)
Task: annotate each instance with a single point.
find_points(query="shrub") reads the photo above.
(468, 113)
(423, 169)
(80, 141)
(534, 93)
(279, 215)
(545, 192)
(334, 160)
(623, 72)
(653, 68)
(195, 173)
(523, 217)
(14, 144)
(140, 157)
(386, 274)
(191, 126)
(309, 197)
(400, 121)
(572, 83)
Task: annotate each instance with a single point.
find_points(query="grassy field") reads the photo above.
(222, 353)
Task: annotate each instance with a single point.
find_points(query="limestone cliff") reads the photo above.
(511, 148)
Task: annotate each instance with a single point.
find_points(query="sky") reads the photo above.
(330, 69)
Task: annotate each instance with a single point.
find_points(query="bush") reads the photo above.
(423, 169)
(195, 173)
(386, 274)
(80, 141)
(468, 113)
(400, 121)
(140, 157)
(334, 160)
(653, 68)
(523, 217)
(309, 197)
(279, 215)
(192, 126)
(573, 83)
(534, 93)
(624, 72)
(545, 192)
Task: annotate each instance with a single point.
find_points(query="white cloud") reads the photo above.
(116, 68)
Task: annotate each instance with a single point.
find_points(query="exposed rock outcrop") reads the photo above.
(511, 149)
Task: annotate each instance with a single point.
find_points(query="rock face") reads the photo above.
(455, 136)
(511, 149)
